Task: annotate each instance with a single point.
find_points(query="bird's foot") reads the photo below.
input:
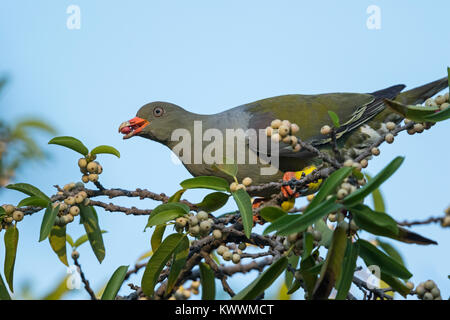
(288, 176)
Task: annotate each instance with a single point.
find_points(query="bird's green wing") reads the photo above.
(310, 112)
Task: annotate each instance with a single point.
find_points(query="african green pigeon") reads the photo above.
(362, 118)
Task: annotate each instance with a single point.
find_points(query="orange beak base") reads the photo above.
(132, 127)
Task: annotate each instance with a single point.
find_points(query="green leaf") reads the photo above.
(329, 186)
(326, 232)
(93, 231)
(177, 196)
(391, 251)
(395, 284)
(29, 190)
(208, 282)
(48, 221)
(166, 212)
(206, 182)
(83, 239)
(373, 184)
(438, 116)
(331, 270)
(106, 150)
(415, 113)
(377, 197)
(348, 270)
(157, 236)
(213, 201)
(244, 204)
(334, 117)
(145, 255)
(378, 223)
(114, 283)
(263, 281)
(2, 211)
(34, 202)
(179, 260)
(70, 240)
(297, 223)
(271, 214)
(71, 143)
(57, 241)
(4, 294)
(11, 240)
(372, 256)
(289, 277)
(227, 167)
(157, 262)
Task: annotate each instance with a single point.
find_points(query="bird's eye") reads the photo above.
(158, 112)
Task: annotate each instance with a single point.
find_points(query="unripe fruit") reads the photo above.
(86, 201)
(429, 285)
(74, 211)
(9, 209)
(418, 127)
(292, 237)
(430, 103)
(294, 141)
(17, 215)
(79, 198)
(283, 130)
(411, 131)
(202, 215)
(296, 148)
(420, 290)
(92, 167)
(390, 125)
(389, 138)
(205, 226)
(446, 221)
(227, 255)
(195, 284)
(440, 99)
(364, 163)
(83, 194)
(435, 292)
(221, 250)
(276, 137)
(325, 130)
(317, 235)
(233, 186)
(194, 230)
(269, 131)
(186, 294)
(298, 276)
(348, 163)
(446, 96)
(181, 222)
(444, 106)
(82, 163)
(240, 186)
(69, 186)
(310, 197)
(409, 285)
(93, 177)
(236, 258)
(75, 254)
(70, 201)
(63, 207)
(428, 296)
(342, 193)
(286, 123)
(217, 234)
(294, 128)
(85, 178)
(242, 246)
(275, 124)
(332, 217)
(247, 181)
(375, 151)
(408, 120)
(193, 220)
(99, 169)
(68, 218)
(8, 219)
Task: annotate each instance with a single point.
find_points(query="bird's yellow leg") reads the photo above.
(312, 187)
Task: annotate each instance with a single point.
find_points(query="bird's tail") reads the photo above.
(420, 94)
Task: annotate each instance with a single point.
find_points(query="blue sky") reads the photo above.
(208, 56)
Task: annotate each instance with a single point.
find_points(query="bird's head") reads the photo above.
(155, 121)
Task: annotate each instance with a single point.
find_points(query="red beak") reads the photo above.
(133, 127)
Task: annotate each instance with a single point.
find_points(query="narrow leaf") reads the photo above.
(263, 281)
(348, 270)
(83, 239)
(208, 282)
(106, 149)
(179, 259)
(114, 283)
(33, 201)
(93, 231)
(11, 240)
(57, 241)
(4, 294)
(71, 143)
(244, 204)
(157, 236)
(271, 214)
(158, 261)
(378, 223)
(377, 197)
(213, 201)
(29, 190)
(334, 117)
(206, 182)
(48, 221)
